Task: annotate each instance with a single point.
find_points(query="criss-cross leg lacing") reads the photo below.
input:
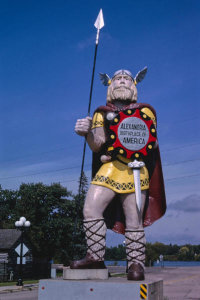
(135, 246)
(95, 231)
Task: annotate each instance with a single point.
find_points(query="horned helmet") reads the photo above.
(122, 86)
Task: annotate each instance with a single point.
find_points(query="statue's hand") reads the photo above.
(105, 158)
(83, 126)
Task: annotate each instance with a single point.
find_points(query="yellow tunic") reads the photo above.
(116, 175)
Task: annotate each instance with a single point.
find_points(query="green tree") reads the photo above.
(172, 249)
(151, 254)
(183, 253)
(160, 248)
(78, 236)
(197, 257)
(51, 211)
(83, 180)
(115, 253)
(8, 199)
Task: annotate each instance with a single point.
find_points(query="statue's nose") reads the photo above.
(122, 81)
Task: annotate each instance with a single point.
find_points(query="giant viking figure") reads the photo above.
(111, 201)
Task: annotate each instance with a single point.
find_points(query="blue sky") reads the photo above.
(46, 56)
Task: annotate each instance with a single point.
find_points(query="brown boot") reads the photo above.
(95, 232)
(87, 262)
(135, 272)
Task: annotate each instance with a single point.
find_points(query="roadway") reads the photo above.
(179, 283)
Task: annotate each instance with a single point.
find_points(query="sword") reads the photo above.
(136, 165)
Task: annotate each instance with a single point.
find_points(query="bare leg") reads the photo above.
(97, 199)
(132, 214)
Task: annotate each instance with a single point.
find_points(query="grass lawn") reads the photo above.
(118, 274)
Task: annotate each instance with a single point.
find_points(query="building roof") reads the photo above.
(8, 237)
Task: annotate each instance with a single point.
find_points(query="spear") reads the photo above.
(99, 23)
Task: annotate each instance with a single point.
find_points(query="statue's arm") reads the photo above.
(93, 130)
(96, 138)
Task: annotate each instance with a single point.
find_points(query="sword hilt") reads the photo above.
(136, 164)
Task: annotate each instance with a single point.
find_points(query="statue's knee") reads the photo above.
(87, 212)
(133, 227)
(133, 224)
(90, 211)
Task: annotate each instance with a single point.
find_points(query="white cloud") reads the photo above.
(86, 43)
(176, 227)
(188, 204)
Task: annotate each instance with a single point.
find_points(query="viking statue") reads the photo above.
(111, 200)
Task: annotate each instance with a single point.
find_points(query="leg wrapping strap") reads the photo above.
(135, 246)
(95, 231)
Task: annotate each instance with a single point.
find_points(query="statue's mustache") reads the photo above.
(122, 87)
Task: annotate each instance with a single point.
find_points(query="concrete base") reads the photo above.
(86, 274)
(111, 289)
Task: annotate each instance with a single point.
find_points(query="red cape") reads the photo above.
(155, 206)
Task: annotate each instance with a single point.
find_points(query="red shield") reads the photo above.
(132, 134)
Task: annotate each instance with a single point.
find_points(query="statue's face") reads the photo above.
(122, 88)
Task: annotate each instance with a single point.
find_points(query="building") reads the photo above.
(10, 244)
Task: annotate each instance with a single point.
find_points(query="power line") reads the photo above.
(180, 147)
(65, 148)
(184, 120)
(180, 162)
(33, 174)
(76, 167)
(41, 153)
(168, 179)
(34, 155)
(71, 146)
(181, 177)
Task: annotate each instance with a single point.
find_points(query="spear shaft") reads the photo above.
(89, 107)
(92, 81)
(98, 24)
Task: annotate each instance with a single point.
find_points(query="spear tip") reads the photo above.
(99, 23)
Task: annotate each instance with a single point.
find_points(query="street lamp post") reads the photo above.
(21, 225)
(161, 261)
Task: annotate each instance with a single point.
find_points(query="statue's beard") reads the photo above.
(121, 93)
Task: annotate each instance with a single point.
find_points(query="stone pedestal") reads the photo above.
(86, 274)
(110, 289)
